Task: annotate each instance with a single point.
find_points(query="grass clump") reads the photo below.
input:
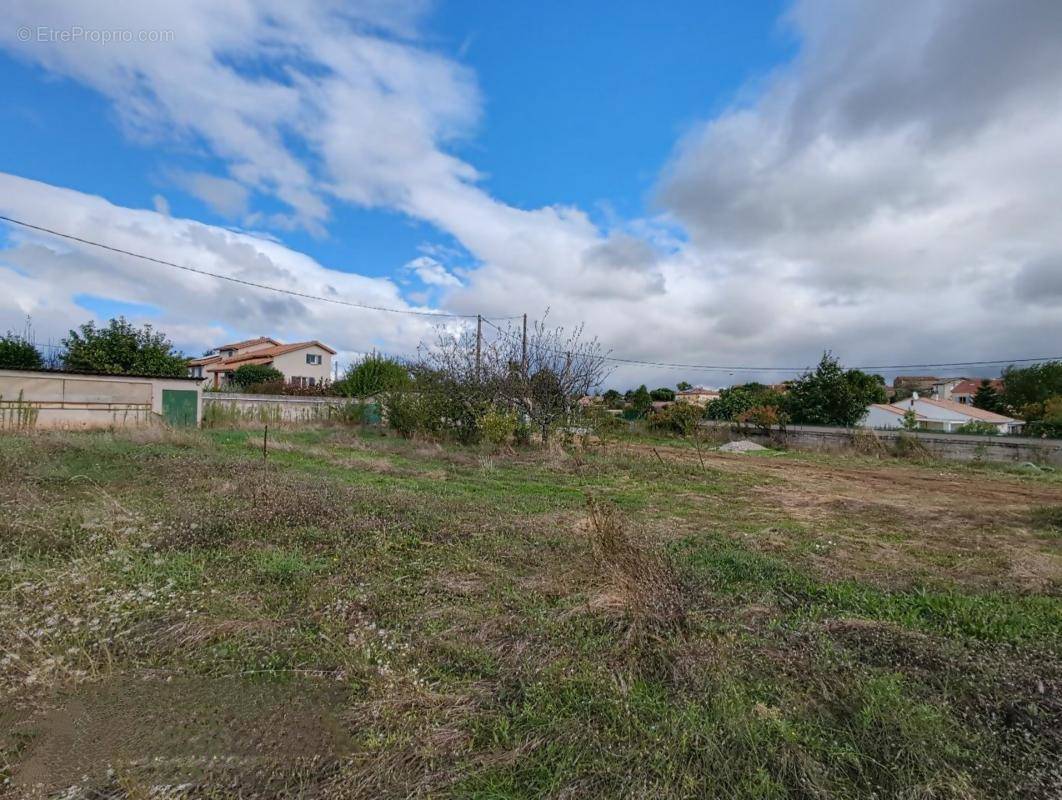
(1048, 518)
(641, 585)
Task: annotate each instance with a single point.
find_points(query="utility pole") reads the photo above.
(523, 358)
(479, 342)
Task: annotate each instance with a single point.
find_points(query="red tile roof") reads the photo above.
(970, 387)
(266, 355)
(198, 362)
(249, 343)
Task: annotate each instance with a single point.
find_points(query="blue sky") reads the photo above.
(582, 104)
(706, 183)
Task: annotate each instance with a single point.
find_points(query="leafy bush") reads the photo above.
(17, 352)
(734, 400)
(663, 394)
(763, 418)
(1043, 419)
(256, 375)
(371, 376)
(978, 428)
(413, 413)
(680, 418)
(122, 349)
(602, 423)
(358, 413)
(497, 426)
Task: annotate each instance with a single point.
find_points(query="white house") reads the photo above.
(946, 415)
(883, 416)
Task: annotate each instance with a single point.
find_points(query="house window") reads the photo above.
(312, 358)
(311, 381)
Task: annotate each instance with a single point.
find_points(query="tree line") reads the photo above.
(535, 381)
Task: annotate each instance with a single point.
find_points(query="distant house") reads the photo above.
(964, 391)
(906, 385)
(300, 363)
(698, 395)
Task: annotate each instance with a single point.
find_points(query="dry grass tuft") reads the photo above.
(642, 584)
(908, 446)
(866, 443)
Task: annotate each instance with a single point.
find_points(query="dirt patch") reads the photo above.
(198, 731)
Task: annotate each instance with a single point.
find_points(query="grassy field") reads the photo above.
(363, 616)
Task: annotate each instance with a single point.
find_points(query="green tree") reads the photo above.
(735, 400)
(909, 422)
(988, 398)
(122, 348)
(641, 402)
(663, 394)
(832, 395)
(17, 352)
(254, 375)
(371, 376)
(1043, 419)
(1032, 384)
(613, 399)
(870, 387)
(682, 386)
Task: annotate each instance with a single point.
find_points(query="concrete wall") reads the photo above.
(70, 400)
(222, 408)
(947, 446)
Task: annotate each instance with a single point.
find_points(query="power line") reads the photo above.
(613, 359)
(744, 368)
(253, 284)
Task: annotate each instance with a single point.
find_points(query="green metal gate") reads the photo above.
(179, 407)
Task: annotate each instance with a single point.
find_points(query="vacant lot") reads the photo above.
(361, 616)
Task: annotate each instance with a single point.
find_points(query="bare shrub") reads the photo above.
(908, 446)
(866, 443)
(643, 586)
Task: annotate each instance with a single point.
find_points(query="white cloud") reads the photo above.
(161, 204)
(227, 197)
(431, 272)
(42, 275)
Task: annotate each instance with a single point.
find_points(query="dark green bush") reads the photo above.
(17, 352)
(256, 375)
(371, 376)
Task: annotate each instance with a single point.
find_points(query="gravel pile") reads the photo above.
(742, 446)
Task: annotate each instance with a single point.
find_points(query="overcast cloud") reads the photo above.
(892, 194)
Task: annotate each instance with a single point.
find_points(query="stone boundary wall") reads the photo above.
(946, 446)
(46, 399)
(221, 408)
